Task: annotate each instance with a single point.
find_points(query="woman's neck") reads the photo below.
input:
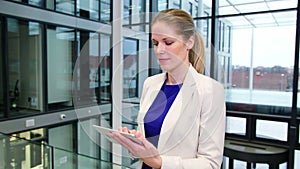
(177, 76)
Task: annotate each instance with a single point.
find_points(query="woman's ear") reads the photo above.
(190, 42)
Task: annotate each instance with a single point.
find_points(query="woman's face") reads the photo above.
(169, 47)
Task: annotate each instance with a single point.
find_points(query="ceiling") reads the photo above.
(229, 7)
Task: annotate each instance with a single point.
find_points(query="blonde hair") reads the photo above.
(184, 25)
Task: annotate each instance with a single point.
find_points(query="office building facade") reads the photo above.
(69, 64)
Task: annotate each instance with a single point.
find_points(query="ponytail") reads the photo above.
(197, 53)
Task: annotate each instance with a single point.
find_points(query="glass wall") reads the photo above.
(92, 72)
(60, 54)
(88, 142)
(255, 63)
(1, 74)
(162, 4)
(105, 70)
(23, 151)
(127, 11)
(135, 14)
(32, 2)
(86, 68)
(130, 71)
(88, 9)
(105, 11)
(24, 62)
(257, 69)
(64, 6)
(62, 138)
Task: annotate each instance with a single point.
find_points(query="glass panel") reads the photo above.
(25, 73)
(88, 141)
(32, 2)
(20, 151)
(260, 71)
(62, 139)
(195, 8)
(88, 9)
(237, 6)
(176, 4)
(204, 27)
(188, 6)
(94, 61)
(298, 97)
(64, 6)
(86, 68)
(105, 69)
(139, 16)
(296, 159)
(162, 4)
(60, 51)
(272, 130)
(204, 7)
(130, 72)
(105, 8)
(1, 75)
(127, 12)
(236, 125)
(3, 160)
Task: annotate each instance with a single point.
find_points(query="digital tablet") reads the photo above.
(105, 131)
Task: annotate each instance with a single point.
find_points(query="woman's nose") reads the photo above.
(160, 48)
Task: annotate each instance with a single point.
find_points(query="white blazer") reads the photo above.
(192, 134)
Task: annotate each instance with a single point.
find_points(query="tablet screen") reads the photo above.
(105, 131)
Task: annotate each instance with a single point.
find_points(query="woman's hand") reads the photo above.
(145, 151)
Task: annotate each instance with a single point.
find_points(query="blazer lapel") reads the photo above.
(150, 96)
(176, 111)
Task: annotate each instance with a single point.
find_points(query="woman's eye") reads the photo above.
(155, 43)
(168, 43)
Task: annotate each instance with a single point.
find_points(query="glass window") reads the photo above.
(139, 16)
(32, 2)
(92, 69)
(105, 69)
(266, 128)
(88, 9)
(190, 9)
(203, 26)
(1, 75)
(62, 138)
(261, 62)
(23, 152)
(297, 156)
(127, 11)
(86, 69)
(92, 76)
(195, 12)
(105, 9)
(162, 4)
(64, 6)
(24, 62)
(60, 51)
(176, 4)
(130, 70)
(236, 125)
(88, 142)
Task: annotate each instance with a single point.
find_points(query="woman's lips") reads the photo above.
(162, 60)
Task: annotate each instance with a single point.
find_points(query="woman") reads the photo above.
(182, 112)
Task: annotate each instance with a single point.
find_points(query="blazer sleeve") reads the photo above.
(211, 132)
